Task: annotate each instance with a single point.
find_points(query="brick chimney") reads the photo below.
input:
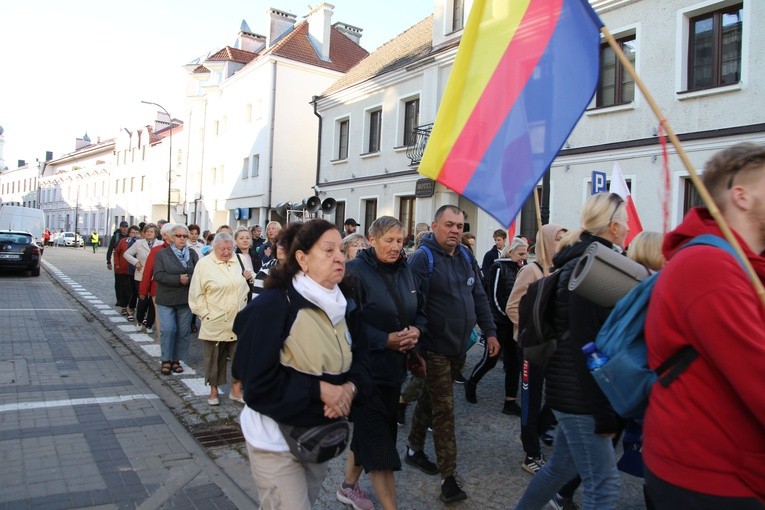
(279, 23)
(320, 29)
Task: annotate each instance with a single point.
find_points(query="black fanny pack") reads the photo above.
(317, 444)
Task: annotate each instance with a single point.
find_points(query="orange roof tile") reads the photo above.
(343, 53)
(234, 55)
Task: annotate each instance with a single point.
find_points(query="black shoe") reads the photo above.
(421, 462)
(460, 379)
(451, 491)
(401, 415)
(511, 408)
(470, 395)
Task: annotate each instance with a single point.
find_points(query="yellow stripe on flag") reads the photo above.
(491, 26)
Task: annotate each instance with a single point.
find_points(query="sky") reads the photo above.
(84, 66)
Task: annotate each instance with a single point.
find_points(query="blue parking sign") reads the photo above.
(598, 182)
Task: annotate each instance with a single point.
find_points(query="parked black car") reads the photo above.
(18, 250)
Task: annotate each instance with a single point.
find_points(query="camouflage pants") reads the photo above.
(436, 406)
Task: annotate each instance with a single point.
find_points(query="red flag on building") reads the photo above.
(619, 186)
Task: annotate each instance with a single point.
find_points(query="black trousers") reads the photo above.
(122, 287)
(510, 359)
(536, 418)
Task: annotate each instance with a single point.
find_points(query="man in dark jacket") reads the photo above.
(120, 290)
(454, 302)
(500, 239)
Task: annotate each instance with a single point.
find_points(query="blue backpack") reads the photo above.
(625, 378)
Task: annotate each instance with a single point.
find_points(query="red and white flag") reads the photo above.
(619, 186)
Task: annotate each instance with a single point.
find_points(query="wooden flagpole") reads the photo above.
(703, 192)
(545, 270)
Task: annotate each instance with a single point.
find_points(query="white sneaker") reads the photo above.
(150, 330)
(139, 327)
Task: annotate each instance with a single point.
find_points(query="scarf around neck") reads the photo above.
(331, 301)
(183, 255)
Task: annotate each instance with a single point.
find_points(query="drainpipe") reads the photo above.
(201, 164)
(271, 142)
(318, 149)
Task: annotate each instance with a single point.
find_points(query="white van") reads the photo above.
(14, 217)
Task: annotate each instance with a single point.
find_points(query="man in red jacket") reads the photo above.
(704, 435)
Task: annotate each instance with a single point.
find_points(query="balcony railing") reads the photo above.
(421, 134)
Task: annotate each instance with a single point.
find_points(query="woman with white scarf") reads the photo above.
(173, 269)
(298, 363)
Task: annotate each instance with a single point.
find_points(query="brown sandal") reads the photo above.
(166, 367)
(177, 368)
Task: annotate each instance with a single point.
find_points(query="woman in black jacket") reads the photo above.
(500, 281)
(587, 423)
(391, 318)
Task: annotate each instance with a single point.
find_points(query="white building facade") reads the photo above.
(701, 62)
(251, 129)
(74, 189)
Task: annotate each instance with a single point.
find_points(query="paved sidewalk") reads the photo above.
(78, 427)
(489, 449)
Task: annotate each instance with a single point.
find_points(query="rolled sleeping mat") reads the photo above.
(604, 276)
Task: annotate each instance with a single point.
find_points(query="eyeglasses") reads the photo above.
(619, 201)
(181, 235)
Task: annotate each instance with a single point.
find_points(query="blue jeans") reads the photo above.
(174, 331)
(578, 450)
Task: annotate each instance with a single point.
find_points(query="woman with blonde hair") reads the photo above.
(353, 244)
(586, 421)
(645, 249)
(267, 250)
(500, 280)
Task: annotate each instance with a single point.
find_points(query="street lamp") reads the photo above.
(170, 163)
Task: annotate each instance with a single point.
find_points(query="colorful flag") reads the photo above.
(524, 73)
(619, 186)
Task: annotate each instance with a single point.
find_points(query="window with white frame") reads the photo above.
(458, 15)
(342, 132)
(255, 165)
(411, 120)
(246, 167)
(374, 128)
(616, 85)
(713, 45)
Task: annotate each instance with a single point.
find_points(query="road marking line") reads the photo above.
(37, 310)
(23, 406)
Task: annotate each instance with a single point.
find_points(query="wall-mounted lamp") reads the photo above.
(567, 168)
(385, 186)
(655, 132)
(654, 158)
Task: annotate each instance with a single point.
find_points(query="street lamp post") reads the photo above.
(170, 163)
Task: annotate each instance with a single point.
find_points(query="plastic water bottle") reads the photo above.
(595, 358)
